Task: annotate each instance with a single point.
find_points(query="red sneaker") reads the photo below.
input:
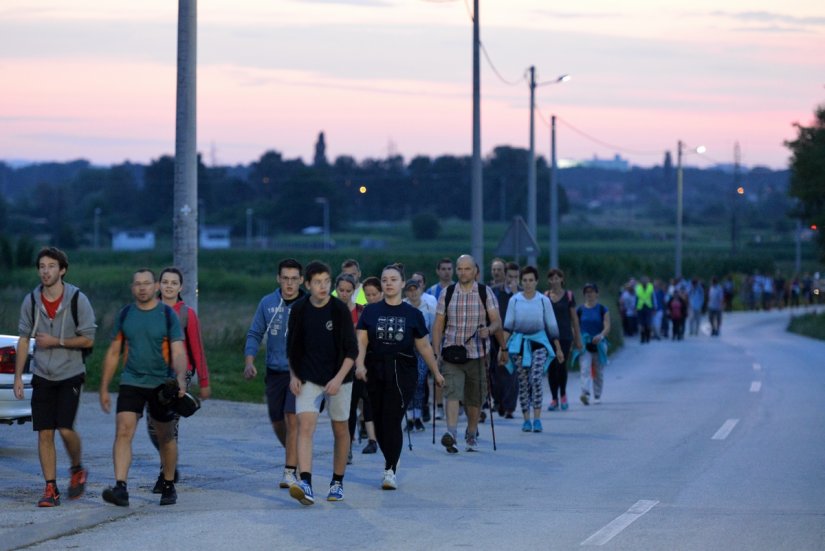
(51, 497)
(77, 485)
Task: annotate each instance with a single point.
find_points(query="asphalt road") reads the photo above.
(709, 443)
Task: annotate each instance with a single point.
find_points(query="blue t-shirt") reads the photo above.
(591, 320)
(148, 351)
(392, 329)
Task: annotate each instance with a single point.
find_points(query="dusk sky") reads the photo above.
(95, 79)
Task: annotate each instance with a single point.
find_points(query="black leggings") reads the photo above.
(557, 372)
(359, 392)
(388, 411)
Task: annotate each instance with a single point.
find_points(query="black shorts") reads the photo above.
(55, 403)
(135, 398)
(279, 399)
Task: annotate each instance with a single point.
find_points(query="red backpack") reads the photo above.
(675, 309)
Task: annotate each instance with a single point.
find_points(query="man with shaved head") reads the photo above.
(466, 316)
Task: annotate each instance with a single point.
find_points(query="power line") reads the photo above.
(497, 73)
(604, 143)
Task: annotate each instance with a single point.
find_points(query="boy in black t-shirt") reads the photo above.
(321, 349)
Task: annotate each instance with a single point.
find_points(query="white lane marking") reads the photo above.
(725, 429)
(757, 367)
(621, 522)
(756, 386)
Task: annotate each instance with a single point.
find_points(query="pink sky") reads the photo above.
(96, 79)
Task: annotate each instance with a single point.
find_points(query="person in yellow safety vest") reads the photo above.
(644, 307)
(351, 266)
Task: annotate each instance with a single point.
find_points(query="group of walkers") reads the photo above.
(332, 342)
(157, 337)
(763, 292)
(374, 343)
(656, 310)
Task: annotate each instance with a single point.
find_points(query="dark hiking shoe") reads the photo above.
(117, 496)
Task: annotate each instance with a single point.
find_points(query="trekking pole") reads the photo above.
(407, 418)
(486, 366)
(434, 401)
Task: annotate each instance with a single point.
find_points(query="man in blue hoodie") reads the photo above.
(271, 319)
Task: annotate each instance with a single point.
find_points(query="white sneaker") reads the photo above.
(389, 482)
(288, 479)
(597, 400)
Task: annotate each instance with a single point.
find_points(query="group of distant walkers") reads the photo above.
(383, 356)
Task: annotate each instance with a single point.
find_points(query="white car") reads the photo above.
(13, 410)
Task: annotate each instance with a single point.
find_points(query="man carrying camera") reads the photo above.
(148, 334)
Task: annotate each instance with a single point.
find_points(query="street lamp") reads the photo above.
(325, 202)
(554, 198)
(679, 193)
(531, 160)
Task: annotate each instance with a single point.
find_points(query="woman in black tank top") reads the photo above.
(564, 307)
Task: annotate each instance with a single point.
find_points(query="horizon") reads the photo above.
(381, 77)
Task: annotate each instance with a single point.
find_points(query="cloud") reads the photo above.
(772, 17)
(578, 15)
(35, 118)
(771, 29)
(362, 3)
(97, 141)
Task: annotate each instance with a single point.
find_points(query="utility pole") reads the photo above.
(477, 190)
(734, 196)
(531, 166)
(679, 193)
(185, 216)
(554, 198)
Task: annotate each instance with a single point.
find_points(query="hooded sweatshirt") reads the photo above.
(58, 363)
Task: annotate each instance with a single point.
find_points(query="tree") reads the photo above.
(808, 174)
(320, 160)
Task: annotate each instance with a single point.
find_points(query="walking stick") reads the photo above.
(407, 417)
(486, 367)
(434, 401)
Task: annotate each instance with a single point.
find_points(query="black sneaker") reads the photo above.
(158, 488)
(117, 495)
(169, 496)
(371, 447)
(419, 426)
(448, 441)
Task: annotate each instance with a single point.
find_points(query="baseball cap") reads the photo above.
(590, 286)
(412, 283)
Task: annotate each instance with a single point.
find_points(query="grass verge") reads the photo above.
(809, 325)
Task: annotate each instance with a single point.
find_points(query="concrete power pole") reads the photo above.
(554, 198)
(735, 195)
(477, 204)
(185, 215)
(531, 167)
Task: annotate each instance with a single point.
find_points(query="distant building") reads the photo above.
(214, 237)
(133, 240)
(617, 163)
